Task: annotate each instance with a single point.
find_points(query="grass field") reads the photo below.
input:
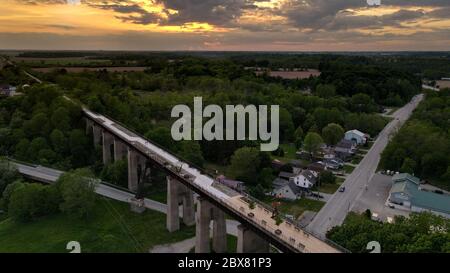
(111, 228)
(348, 169)
(297, 208)
(231, 244)
(357, 159)
(289, 152)
(328, 188)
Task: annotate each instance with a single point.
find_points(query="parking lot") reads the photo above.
(375, 196)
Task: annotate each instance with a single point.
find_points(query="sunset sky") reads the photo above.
(262, 25)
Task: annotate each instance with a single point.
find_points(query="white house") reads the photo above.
(7, 90)
(356, 136)
(306, 179)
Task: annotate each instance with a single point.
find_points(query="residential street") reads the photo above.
(336, 209)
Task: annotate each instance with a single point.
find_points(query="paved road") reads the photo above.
(48, 175)
(336, 209)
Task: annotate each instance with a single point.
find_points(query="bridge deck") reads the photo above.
(288, 232)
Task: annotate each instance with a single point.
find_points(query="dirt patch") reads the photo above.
(83, 69)
(293, 75)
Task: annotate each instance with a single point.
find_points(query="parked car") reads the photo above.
(342, 189)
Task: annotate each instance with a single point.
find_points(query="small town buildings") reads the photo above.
(277, 164)
(234, 184)
(345, 149)
(304, 155)
(333, 164)
(7, 90)
(288, 190)
(285, 175)
(316, 167)
(406, 194)
(306, 179)
(357, 137)
(297, 166)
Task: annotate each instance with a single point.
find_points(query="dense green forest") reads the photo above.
(348, 95)
(406, 235)
(44, 127)
(422, 146)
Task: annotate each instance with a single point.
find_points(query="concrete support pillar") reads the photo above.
(250, 242)
(188, 206)
(206, 212)
(219, 242)
(97, 132)
(178, 193)
(203, 220)
(108, 141)
(89, 126)
(172, 217)
(120, 150)
(133, 162)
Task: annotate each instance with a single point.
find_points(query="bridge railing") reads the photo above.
(296, 224)
(181, 158)
(258, 202)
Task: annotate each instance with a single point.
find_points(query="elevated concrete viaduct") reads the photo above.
(258, 228)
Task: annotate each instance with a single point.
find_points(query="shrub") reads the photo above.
(32, 201)
(78, 193)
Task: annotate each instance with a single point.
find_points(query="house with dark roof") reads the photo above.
(298, 166)
(345, 149)
(317, 167)
(288, 191)
(306, 179)
(286, 175)
(406, 194)
(277, 164)
(234, 184)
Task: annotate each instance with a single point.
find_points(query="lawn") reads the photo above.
(296, 208)
(357, 159)
(289, 152)
(331, 188)
(348, 169)
(328, 188)
(231, 245)
(111, 228)
(340, 180)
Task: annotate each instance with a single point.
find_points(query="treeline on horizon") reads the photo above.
(429, 65)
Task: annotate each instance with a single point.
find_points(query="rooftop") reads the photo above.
(405, 177)
(409, 185)
(295, 189)
(356, 132)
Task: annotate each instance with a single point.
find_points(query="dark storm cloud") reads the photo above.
(337, 15)
(133, 12)
(315, 15)
(216, 12)
(432, 3)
